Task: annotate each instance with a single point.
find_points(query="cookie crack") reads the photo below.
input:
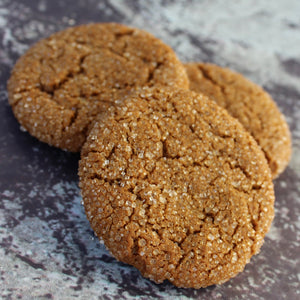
(119, 54)
(165, 149)
(112, 151)
(152, 72)
(119, 35)
(208, 77)
(111, 182)
(70, 75)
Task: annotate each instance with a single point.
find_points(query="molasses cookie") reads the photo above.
(250, 104)
(60, 85)
(176, 187)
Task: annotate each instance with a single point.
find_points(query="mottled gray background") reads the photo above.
(47, 249)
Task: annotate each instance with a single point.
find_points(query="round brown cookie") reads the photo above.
(58, 87)
(176, 187)
(250, 104)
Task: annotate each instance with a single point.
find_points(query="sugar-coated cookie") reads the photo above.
(176, 187)
(59, 85)
(250, 104)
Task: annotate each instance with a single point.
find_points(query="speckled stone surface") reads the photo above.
(47, 249)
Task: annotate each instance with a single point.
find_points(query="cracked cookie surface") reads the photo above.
(250, 104)
(176, 187)
(59, 85)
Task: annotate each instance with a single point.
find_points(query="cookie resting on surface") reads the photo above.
(250, 104)
(60, 84)
(176, 187)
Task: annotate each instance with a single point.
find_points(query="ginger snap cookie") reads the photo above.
(176, 187)
(250, 104)
(61, 83)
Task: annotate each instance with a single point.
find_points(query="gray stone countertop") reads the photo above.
(47, 249)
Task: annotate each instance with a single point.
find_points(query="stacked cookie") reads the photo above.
(177, 183)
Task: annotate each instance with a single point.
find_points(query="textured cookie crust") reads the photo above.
(58, 87)
(176, 187)
(250, 104)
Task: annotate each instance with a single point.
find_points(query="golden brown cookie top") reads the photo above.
(250, 104)
(61, 83)
(176, 187)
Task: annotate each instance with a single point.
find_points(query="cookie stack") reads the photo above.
(177, 161)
